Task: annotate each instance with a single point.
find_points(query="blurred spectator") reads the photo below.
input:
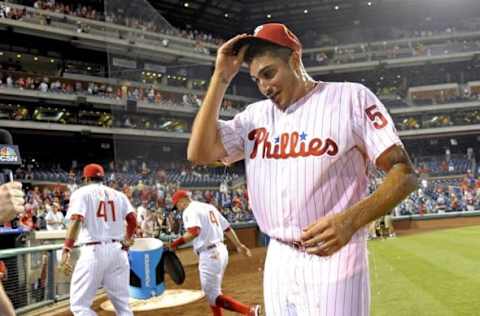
(55, 219)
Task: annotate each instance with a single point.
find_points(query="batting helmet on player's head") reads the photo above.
(93, 170)
(275, 33)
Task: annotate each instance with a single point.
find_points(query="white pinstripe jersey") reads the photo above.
(311, 159)
(103, 209)
(211, 222)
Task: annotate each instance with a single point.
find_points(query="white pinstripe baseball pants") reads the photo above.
(102, 265)
(298, 284)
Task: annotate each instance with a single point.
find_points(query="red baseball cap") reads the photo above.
(275, 33)
(177, 196)
(93, 170)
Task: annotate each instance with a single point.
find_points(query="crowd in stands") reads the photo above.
(150, 192)
(118, 16)
(444, 96)
(336, 55)
(391, 95)
(424, 30)
(366, 52)
(447, 184)
(442, 196)
(141, 93)
(437, 119)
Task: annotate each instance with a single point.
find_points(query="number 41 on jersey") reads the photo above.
(102, 210)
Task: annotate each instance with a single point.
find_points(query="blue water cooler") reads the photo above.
(146, 268)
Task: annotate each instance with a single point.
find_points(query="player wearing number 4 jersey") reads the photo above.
(205, 226)
(306, 149)
(97, 215)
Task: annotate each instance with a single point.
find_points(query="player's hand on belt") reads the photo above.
(65, 263)
(228, 62)
(327, 235)
(244, 250)
(11, 201)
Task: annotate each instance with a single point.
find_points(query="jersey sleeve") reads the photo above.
(77, 205)
(224, 224)
(191, 219)
(232, 134)
(374, 129)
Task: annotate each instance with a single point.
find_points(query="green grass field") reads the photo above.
(436, 273)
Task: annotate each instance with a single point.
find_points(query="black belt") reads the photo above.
(202, 249)
(100, 242)
(294, 244)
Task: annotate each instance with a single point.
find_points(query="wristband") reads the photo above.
(178, 242)
(68, 244)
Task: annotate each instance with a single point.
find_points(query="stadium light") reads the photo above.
(19, 55)
(52, 60)
(305, 11)
(186, 4)
(35, 58)
(226, 15)
(269, 16)
(336, 7)
(369, 3)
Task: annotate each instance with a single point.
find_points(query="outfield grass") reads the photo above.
(436, 273)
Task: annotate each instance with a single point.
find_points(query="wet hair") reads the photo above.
(261, 48)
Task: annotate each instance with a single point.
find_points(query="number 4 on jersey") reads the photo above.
(213, 218)
(102, 210)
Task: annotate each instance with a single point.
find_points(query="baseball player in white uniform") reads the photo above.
(97, 215)
(306, 149)
(205, 225)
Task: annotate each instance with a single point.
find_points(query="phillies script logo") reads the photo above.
(290, 145)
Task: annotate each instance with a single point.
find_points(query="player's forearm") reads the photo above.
(204, 135)
(185, 238)
(399, 182)
(188, 237)
(232, 236)
(73, 231)
(131, 225)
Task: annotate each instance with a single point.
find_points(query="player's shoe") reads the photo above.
(255, 310)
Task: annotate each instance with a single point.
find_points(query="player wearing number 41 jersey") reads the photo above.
(206, 226)
(97, 215)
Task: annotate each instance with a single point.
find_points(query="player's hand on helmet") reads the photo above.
(244, 250)
(11, 201)
(228, 61)
(65, 263)
(327, 235)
